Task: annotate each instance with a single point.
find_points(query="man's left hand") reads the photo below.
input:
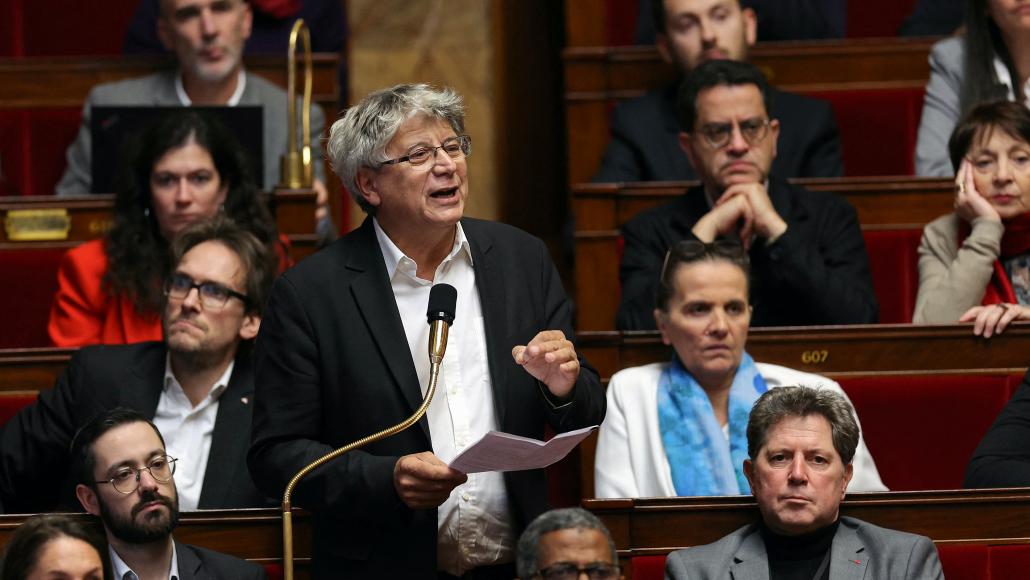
(767, 222)
(551, 359)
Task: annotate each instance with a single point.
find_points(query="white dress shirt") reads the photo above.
(123, 572)
(187, 431)
(1002, 73)
(241, 84)
(474, 524)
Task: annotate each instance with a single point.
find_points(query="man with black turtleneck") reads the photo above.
(800, 445)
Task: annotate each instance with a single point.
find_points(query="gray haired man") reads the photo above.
(801, 442)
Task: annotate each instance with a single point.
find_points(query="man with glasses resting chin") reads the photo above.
(125, 477)
(564, 544)
(808, 259)
(197, 385)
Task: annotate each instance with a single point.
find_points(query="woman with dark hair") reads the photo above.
(974, 263)
(990, 62)
(679, 428)
(188, 167)
(55, 546)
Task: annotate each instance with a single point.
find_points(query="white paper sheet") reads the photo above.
(498, 451)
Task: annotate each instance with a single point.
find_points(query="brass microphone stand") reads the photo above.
(296, 163)
(440, 337)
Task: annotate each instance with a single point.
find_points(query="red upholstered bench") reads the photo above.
(922, 430)
(33, 143)
(894, 266)
(877, 128)
(33, 280)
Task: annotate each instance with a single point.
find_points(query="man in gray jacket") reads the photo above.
(207, 37)
(800, 443)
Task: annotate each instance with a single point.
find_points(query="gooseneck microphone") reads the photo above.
(443, 299)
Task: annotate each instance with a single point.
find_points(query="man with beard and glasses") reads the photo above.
(125, 476)
(207, 38)
(197, 385)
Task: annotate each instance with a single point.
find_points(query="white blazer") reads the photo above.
(631, 461)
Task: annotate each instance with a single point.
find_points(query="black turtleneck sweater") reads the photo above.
(798, 557)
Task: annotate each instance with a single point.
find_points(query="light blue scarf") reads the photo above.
(701, 461)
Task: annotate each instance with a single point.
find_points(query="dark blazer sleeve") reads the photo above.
(1003, 457)
(809, 143)
(288, 419)
(827, 270)
(822, 157)
(197, 563)
(622, 158)
(644, 248)
(34, 444)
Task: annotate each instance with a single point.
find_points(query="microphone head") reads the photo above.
(442, 301)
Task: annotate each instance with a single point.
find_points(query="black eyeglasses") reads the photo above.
(717, 135)
(126, 479)
(455, 148)
(570, 571)
(212, 294)
(692, 250)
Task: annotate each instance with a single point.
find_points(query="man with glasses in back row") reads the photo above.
(808, 259)
(125, 477)
(197, 385)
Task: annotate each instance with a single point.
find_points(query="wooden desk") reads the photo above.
(64, 82)
(838, 351)
(89, 217)
(253, 534)
(659, 526)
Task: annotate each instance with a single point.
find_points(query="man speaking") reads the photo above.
(342, 354)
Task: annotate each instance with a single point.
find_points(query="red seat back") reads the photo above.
(922, 430)
(13, 401)
(33, 281)
(33, 143)
(877, 18)
(894, 266)
(877, 128)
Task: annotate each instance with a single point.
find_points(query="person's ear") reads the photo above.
(749, 473)
(250, 326)
(368, 189)
(248, 21)
(661, 322)
(849, 472)
(661, 42)
(87, 496)
(774, 133)
(687, 143)
(750, 26)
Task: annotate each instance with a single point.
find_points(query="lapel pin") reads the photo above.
(245, 400)
(856, 562)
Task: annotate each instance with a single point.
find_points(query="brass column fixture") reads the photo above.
(296, 163)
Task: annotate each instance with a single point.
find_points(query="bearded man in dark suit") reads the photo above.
(808, 258)
(342, 354)
(197, 386)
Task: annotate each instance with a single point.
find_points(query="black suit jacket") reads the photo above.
(1002, 459)
(816, 273)
(334, 366)
(645, 140)
(203, 564)
(34, 445)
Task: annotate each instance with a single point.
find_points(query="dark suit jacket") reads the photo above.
(34, 444)
(203, 564)
(816, 273)
(860, 551)
(1002, 459)
(334, 366)
(645, 140)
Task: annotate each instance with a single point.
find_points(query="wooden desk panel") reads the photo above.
(90, 217)
(838, 351)
(658, 526)
(59, 82)
(253, 534)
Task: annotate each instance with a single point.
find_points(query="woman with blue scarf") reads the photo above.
(678, 428)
